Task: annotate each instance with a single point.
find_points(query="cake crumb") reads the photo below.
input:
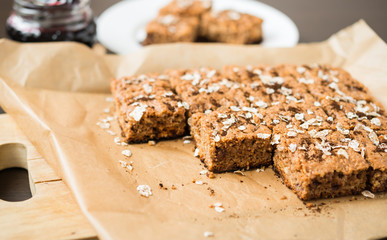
(151, 143)
(310, 205)
(212, 191)
(210, 175)
(284, 197)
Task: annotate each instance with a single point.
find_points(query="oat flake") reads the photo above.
(127, 153)
(376, 121)
(217, 138)
(293, 147)
(208, 234)
(144, 190)
(343, 153)
(242, 128)
(291, 134)
(368, 194)
(263, 135)
(196, 153)
(374, 138)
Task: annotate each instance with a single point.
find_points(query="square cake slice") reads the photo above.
(231, 139)
(320, 165)
(171, 28)
(147, 108)
(229, 26)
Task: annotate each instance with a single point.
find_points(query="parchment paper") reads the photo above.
(56, 92)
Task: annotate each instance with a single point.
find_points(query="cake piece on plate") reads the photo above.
(229, 26)
(171, 28)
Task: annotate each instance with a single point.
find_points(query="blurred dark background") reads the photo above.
(315, 19)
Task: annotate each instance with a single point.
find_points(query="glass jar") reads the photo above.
(52, 20)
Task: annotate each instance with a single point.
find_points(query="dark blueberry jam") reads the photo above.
(52, 20)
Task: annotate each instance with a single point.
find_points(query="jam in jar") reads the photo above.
(52, 20)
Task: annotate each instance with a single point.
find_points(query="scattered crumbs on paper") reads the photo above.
(218, 207)
(151, 143)
(203, 172)
(103, 125)
(262, 169)
(126, 165)
(208, 234)
(199, 182)
(111, 132)
(117, 140)
(127, 153)
(240, 173)
(210, 175)
(144, 190)
(368, 194)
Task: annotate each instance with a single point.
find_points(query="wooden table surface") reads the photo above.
(316, 21)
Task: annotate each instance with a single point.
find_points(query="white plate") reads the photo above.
(121, 27)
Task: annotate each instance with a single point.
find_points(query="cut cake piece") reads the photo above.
(231, 139)
(147, 108)
(320, 165)
(171, 28)
(230, 26)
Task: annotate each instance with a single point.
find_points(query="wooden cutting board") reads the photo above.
(52, 212)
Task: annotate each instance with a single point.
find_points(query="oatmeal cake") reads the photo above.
(324, 132)
(147, 108)
(193, 8)
(230, 139)
(171, 28)
(230, 26)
